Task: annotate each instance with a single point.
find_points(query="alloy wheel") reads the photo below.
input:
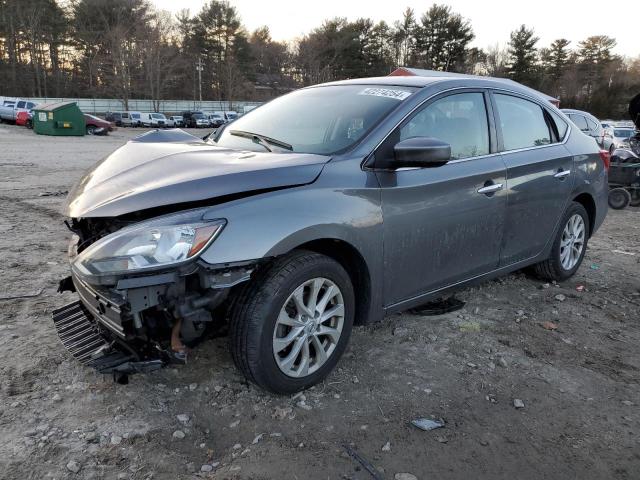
(572, 242)
(308, 327)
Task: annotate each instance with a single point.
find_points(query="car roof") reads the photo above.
(420, 78)
(573, 110)
(581, 112)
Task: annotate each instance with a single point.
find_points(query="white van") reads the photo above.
(154, 119)
(131, 119)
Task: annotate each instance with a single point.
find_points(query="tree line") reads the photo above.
(128, 49)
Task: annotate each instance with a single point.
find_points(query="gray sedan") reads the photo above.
(332, 205)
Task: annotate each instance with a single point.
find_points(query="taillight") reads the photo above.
(606, 159)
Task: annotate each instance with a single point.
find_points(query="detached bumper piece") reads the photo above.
(82, 338)
(77, 333)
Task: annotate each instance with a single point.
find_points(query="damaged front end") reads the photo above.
(144, 295)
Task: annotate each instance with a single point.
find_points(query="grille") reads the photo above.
(77, 333)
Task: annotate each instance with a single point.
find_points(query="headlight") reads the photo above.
(148, 245)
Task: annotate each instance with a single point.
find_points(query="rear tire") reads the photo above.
(619, 198)
(635, 197)
(568, 247)
(91, 130)
(267, 316)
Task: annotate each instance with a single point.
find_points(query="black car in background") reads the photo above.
(195, 119)
(114, 117)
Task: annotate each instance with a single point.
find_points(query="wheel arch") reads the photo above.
(586, 200)
(355, 265)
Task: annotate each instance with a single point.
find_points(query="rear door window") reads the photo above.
(580, 122)
(459, 119)
(522, 122)
(593, 126)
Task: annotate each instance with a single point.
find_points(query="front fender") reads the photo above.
(343, 204)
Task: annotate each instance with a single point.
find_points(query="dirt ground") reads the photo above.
(579, 383)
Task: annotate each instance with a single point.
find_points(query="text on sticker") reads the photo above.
(385, 92)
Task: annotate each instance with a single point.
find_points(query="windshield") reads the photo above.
(321, 120)
(158, 115)
(198, 115)
(93, 117)
(623, 133)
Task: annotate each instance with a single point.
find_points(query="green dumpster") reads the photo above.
(64, 118)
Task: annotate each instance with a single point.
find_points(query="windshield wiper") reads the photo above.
(262, 140)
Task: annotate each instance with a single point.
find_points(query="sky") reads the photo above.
(492, 20)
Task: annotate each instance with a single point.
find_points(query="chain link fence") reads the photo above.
(103, 105)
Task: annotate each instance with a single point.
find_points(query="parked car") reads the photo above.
(157, 120)
(587, 123)
(9, 110)
(114, 117)
(330, 205)
(131, 119)
(227, 116)
(175, 121)
(25, 118)
(617, 137)
(215, 120)
(96, 125)
(195, 120)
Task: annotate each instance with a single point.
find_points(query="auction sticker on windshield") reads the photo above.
(386, 92)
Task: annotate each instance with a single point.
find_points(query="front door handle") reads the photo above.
(489, 189)
(562, 174)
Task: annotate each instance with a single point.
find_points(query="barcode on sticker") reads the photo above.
(385, 92)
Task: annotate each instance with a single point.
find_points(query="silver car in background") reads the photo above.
(332, 205)
(587, 123)
(617, 137)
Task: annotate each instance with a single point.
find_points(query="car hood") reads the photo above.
(151, 172)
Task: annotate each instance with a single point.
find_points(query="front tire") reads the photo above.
(568, 247)
(292, 322)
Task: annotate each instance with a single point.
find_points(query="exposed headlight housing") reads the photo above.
(151, 245)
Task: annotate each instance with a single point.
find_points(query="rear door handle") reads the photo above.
(490, 188)
(562, 173)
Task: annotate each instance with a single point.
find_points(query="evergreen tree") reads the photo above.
(523, 56)
(442, 38)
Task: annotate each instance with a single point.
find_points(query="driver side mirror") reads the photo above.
(421, 152)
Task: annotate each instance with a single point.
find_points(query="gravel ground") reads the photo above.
(518, 400)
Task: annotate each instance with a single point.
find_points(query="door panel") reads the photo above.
(539, 172)
(536, 199)
(438, 229)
